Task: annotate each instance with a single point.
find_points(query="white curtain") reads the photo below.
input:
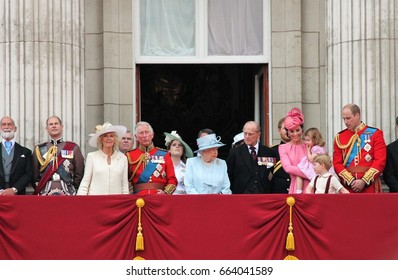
(167, 27)
(235, 27)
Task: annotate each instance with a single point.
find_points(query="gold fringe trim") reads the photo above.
(141, 159)
(290, 258)
(349, 145)
(290, 237)
(139, 243)
(51, 154)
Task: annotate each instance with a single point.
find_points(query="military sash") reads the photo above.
(364, 138)
(150, 168)
(50, 171)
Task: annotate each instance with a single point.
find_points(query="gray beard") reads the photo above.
(7, 135)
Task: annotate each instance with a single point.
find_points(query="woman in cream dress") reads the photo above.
(106, 169)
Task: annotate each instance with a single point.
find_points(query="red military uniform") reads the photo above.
(151, 170)
(360, 154)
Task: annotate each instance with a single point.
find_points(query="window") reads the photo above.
(167, 27)
(204, 31)
(235, 27)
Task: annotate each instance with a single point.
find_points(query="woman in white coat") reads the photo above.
(106, 169)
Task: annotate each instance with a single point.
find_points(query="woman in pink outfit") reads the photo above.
(292, 152)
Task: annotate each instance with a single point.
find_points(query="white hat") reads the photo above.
(237, 138)
(208, 141)
(174, 136)
(106, 128)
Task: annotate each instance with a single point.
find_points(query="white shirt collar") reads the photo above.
(4, 142)
(255, 146)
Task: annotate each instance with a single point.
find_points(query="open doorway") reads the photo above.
(190, 97)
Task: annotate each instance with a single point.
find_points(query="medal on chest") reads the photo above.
(367, 146)
(158, 159)
(147, 157)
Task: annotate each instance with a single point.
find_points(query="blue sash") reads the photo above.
(366, 134)
(150, 168)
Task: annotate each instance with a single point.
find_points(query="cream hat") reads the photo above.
(106, 128)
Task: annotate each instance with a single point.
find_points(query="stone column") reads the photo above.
(362, 63)
(109, 63)
(298, 61)
(42, 66)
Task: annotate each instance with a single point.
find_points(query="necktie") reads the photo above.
(8, 147)
(253, 153)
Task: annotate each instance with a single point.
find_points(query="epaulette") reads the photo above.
(42, 145)
(373, 127)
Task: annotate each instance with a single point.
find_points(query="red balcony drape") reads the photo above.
(189, 227)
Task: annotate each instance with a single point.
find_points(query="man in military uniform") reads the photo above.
(151, 170)
(58, 165)
(359, 154)
(280, 179)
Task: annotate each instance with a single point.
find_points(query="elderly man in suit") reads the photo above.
(16, 163)
(250, 165)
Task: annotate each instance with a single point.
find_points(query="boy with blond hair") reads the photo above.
(324, 182)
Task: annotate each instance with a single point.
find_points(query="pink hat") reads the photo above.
(294, 118)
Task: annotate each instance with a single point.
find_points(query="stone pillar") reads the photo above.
(298, 61)
(286, 55)
(42, 66)
(361, 62)
(109, 63)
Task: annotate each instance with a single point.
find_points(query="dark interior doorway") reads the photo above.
(187, 98)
